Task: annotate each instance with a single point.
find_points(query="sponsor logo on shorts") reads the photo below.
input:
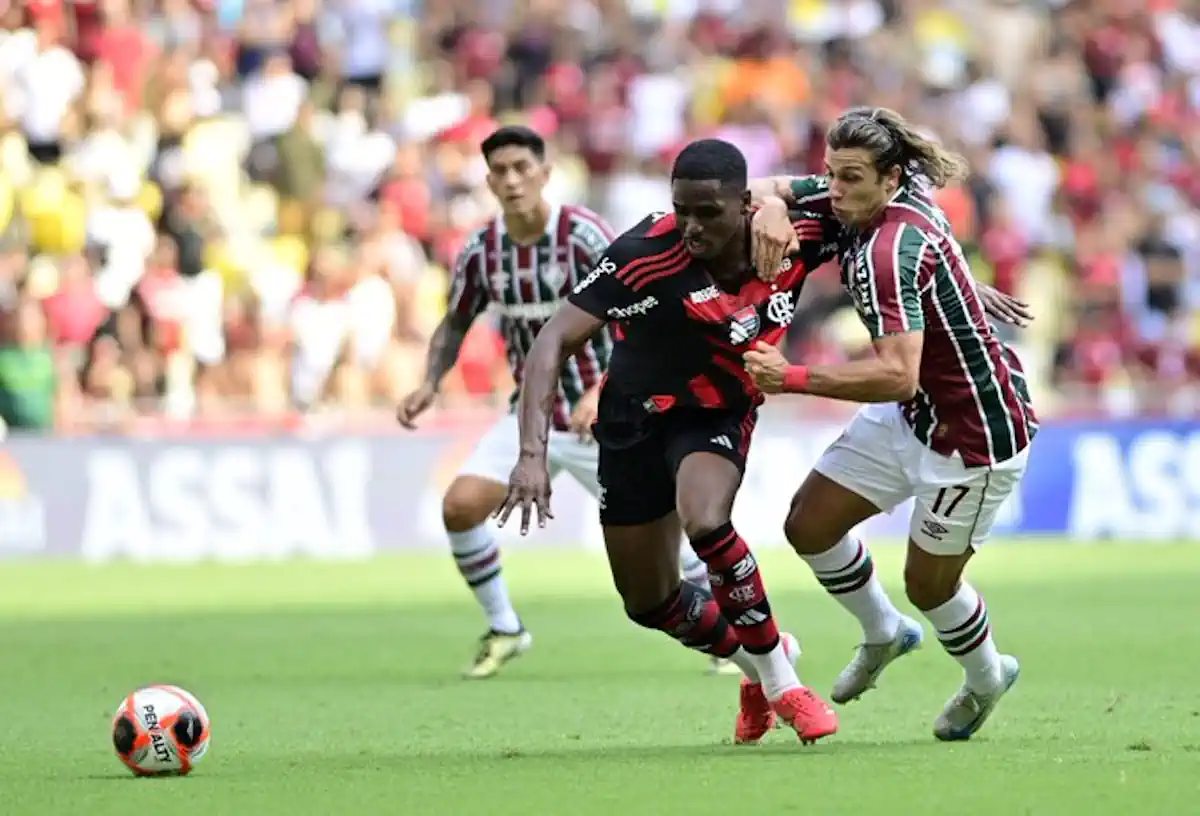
(934, 529)
(722, 441)
(705, 295)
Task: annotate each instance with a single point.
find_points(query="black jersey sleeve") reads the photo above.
(604, 292)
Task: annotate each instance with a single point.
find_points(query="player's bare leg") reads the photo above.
(466, 510)
(935, 585)
(693, 570)
(818, 527)
(645, 569)
(706, 484)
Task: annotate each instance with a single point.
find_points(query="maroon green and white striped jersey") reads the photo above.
(907, 273)
(524, 284)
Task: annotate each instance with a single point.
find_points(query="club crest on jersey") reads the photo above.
(554, 276)
(781, 307)
(744, 325)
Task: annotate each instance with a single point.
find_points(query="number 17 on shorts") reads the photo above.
(951, 517)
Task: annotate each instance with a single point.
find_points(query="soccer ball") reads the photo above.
(160, 730)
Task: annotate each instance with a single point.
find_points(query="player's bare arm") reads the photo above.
(892, 375)
(764, 189)
(468, 298)
(529, 485)
(563, 336)
(444, 348)
(442, 355)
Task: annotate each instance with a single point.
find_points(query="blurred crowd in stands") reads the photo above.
(227, 208)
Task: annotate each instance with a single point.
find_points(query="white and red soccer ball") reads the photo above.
(160, 731)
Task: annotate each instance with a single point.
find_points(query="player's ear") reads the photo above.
(746, 199)
(893, 179)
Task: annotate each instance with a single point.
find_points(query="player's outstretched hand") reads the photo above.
(528, 487)
(413, 405)
(584, 415)
(772, 238)
(766, 365)
(1005, 308)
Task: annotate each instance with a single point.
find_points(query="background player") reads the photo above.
(950, 421)
(521, 263)
(674, 423)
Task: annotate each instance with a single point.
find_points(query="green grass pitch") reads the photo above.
(333, 689)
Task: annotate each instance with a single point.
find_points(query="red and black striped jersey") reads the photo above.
(524, 284)
(680, 336)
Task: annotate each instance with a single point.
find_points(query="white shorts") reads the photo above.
(496, 453)
(879, 458)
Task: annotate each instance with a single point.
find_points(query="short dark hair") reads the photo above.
(711, 160)
(514, 136)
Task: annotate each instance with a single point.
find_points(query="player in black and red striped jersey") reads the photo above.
(521, 265)
(675, 417)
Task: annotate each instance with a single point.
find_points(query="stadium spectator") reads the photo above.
(171, 172)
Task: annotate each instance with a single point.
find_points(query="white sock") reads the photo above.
(694, 570)
(775, 671)
(478, 559)
(847, 572)
(963, 629)
(744, 661)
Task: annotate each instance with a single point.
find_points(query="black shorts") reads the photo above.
(637, 474)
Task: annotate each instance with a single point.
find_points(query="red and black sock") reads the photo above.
(738, 588)
(692, 617)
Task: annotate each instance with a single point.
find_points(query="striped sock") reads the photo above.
(963, 629)
(691, 616)
(847, 572)
(738, 587)
(477, 556)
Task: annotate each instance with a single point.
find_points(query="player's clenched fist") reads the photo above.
(413, 405)
(528, 487)
(767, 366)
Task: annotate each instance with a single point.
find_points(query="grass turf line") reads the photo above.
(335, 686)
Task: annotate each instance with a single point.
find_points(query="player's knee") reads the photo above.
(464, 507)
(929, 588)
(805, 530)
(649, 610)
(701, 521)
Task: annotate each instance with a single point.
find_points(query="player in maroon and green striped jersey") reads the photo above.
(947, 420)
